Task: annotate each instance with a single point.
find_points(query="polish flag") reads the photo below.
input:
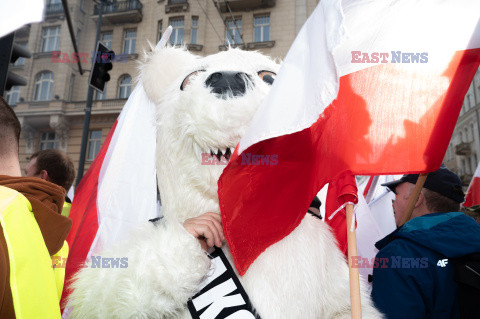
(370, 87)
(119, 190)
(473, 192)
(103, 210)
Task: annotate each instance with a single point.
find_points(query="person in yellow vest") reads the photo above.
(54, 166)
(32, 232)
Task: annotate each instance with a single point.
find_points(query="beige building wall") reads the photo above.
(464, 148)
(63, 114)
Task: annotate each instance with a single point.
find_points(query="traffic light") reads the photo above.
(9, 53)
(102, 64)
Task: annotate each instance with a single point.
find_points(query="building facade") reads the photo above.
(51, 106)
(464, 149)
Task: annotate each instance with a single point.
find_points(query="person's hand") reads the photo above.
(207, 228)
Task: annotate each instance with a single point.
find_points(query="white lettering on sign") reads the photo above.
(216, 299)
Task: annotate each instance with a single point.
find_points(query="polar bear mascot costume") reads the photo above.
(203, 107)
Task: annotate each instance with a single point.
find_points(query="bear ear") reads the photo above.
(161, 67)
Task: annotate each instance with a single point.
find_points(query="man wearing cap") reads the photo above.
(414, 277)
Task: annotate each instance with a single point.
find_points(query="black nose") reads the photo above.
(227, 82)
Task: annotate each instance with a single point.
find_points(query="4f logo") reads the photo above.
(442, 263)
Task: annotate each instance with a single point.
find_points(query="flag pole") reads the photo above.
(414, 196)
(353, 271)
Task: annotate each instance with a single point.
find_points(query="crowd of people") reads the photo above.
(418, 280)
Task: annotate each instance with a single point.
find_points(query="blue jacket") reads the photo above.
(415, 277)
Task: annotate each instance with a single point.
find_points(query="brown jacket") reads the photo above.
(47, 201)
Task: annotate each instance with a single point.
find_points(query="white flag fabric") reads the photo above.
(375, 220)
(127, 183)
(16, 13)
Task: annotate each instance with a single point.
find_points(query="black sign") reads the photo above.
(222, 295)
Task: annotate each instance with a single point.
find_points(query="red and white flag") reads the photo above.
(374, 87)
(473, 192)
(119, 190)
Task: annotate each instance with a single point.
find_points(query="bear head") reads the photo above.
(203, 107)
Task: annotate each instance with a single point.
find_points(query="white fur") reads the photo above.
(147, 288)
(302, 276)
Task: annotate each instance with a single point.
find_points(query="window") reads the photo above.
(93, 145)
(13, 95)
(101, 96)
(43, 86)
(261, 28)
(21, 61)
(470, 101)
(234, 28)
(194, 31)
(159, 30)
(106, 38)
(48, 140)
(125, 86)
(129, 41)
(177, 33)
(50, 39)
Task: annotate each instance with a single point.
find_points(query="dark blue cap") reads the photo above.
(443, 181)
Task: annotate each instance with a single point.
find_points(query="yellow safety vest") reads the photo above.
(59, 262)
(66, 209)
(32, 280)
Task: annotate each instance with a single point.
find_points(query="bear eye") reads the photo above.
(186, 81)
(267, 76)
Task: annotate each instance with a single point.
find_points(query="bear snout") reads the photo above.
(227, 83)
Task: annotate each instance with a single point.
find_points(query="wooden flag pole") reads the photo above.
(414, 197)
(356, 305)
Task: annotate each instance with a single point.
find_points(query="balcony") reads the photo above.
(194, 47)
(120, 12)
(54, 10)
(463, 149)
(225, 46)
(260, 45)
(243, 5)
(173, 6)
